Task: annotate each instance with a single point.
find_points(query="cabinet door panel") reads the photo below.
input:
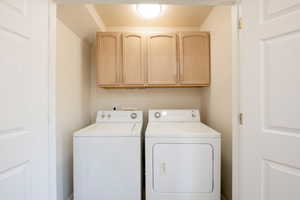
(162, 61)
(194, 58)
(133, 58)
(108, 58)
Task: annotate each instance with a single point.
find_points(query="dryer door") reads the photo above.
(183, 168)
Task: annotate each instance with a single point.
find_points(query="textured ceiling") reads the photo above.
(172, 15)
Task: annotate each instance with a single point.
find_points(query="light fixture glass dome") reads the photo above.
(149, 11)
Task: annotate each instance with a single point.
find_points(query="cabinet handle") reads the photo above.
(181, 76)
(116, 76)
(175, 78)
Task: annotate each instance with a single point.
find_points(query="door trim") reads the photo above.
(52, 98)
(235, 99)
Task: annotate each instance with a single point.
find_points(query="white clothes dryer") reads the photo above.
(182, 157)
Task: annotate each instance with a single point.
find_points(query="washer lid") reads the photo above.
(120, 129)
(180, 130)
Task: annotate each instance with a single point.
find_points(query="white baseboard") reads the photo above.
(222, 197)
(71, 197)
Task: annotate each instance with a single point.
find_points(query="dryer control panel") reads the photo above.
(191, 115)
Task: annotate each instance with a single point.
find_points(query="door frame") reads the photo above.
(235, 4)
(52, 98)
(235, 101)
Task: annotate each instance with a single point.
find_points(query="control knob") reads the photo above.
(133, 115)
(157, 115)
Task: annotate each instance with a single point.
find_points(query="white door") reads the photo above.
(269, 159)
(24, 100)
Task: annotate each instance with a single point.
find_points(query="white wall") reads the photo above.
(216, 100)
(143, 99)
(72, 101)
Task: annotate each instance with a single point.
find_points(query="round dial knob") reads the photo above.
(157, 115)
(133, 115)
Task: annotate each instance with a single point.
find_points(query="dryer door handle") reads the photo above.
(163, 168)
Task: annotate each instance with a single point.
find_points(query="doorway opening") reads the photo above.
(78, 97)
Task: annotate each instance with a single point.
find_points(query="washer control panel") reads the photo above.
(119, 116)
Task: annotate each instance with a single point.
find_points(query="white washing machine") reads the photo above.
(182, 157)
(107, 157)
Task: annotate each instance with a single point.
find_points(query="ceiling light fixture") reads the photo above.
(149, 11)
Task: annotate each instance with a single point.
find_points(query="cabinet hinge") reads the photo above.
(240, 24)
(241, 120)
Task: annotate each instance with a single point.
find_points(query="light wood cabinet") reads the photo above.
(153, 60)
(133, 67)
(108, 58)
(162, 59)
(194, 51)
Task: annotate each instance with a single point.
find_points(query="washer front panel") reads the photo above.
(107, 168)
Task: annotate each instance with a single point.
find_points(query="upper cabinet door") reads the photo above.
(108, 58)
(133, 71)
(162, 59)
(194, 58)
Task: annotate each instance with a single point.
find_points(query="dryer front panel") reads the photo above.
(182, 168)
